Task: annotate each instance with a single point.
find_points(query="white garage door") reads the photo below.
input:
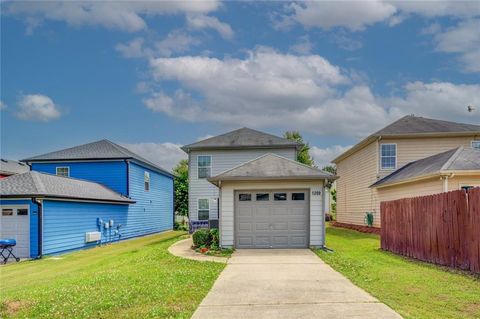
(15, 224)
(272, 219)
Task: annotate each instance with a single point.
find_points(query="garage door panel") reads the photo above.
(245, 226)
(245, 211)
(275, 223)
(14, 226)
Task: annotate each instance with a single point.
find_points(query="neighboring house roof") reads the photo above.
(415, 126)
(100, 150)
(242, 138)
(36, 184)
(455, 160)
(271, 166)
(9, 167)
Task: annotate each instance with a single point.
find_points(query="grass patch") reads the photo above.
(414, 289)
(133, 279)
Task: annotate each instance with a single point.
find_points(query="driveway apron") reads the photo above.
(286, 283)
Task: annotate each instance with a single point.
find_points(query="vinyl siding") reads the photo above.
(111, 174)
(153, 210)
(412, 149)
(419, 188)
(354, 197)
(65, 224)
(222, 160)
(458, 181)
(33, 213)
(317, 237)
(362, 168)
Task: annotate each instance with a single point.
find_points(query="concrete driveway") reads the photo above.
(286, 283)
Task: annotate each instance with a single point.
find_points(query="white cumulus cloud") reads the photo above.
(166, 155)
(202, 21)
(324, 156)
(120, 15)
(37, 107)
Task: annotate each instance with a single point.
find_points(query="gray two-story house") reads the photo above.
(248, 184)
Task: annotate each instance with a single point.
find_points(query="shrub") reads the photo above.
(215, 237)
(202, 237)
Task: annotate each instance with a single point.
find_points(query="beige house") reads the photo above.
(413, 156)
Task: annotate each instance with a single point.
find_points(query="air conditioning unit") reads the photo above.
(92, 236)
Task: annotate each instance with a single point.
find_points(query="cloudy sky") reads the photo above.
(156, 75)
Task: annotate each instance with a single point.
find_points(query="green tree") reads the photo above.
(181, 187)
(303, 155)
(331, 169)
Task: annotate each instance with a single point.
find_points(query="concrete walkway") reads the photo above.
(183, 249)
(286, 283)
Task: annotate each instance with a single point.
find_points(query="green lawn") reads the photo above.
(413, 289)
(133, 279)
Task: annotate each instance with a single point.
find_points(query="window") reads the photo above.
(22, 212)
(263, 197)
(63, 171)
(204, 166)
(298, 196)
(244, 197)
(466, 188)
(280, 196)
(388, 158)
(7, 212)
(146, 180)
(476, 144)
(203, 209)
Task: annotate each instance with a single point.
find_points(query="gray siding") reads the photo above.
(222, 160)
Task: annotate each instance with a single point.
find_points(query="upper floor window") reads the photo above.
(63, 171)
(146, 180)
(476, 144)
(388, 156)
(204, 166)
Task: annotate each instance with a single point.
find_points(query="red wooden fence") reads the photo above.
(443, 228)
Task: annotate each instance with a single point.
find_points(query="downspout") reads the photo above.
(40, 226)
(445, 181)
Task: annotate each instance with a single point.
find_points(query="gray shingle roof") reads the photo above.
(36, 184)
(103, 149)
(242, 138)
(412, 126)
(417, 125)
(9, 167)
(457, 159)
(271, 166)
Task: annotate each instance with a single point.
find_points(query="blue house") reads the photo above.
(84, 196)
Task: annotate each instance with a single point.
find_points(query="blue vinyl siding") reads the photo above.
(65, 224)
(33, 211)
(153, 210)
(111, 174)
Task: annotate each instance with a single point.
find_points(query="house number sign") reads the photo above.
(316, 193)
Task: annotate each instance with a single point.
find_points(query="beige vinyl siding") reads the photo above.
(357, 172)
(227, 206)
(414, 189)
(458, 181)
(412, 149)
(361, 169)
(222, 160)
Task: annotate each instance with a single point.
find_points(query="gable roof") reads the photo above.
(415, 126)
(36, 184)
(271, 166)
(99, 150)
(457, 159)
(10, 167)
(242, 138)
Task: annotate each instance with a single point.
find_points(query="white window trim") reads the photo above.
(211, 164)
(396, 157)
(474, 141)
(198, 208)
(58, 167)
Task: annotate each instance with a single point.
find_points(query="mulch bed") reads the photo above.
(362, 229)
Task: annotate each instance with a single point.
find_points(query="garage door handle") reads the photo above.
(271, 226)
